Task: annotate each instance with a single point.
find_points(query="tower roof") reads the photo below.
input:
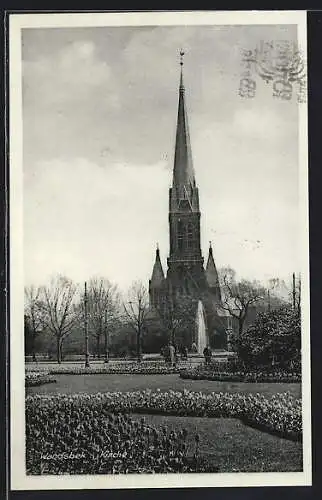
(211, 271)
(183, 172)
(157, 277)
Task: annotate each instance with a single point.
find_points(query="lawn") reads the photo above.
(231, 446)
(228, 444)
(115, 382)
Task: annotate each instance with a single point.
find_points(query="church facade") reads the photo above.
(187, 279)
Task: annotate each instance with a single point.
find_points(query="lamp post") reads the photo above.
(229, 333)
(138, 321)
(106, 359)
(294, 292)
(86, 327)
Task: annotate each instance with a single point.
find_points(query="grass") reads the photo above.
(230, 446)
(115, 382)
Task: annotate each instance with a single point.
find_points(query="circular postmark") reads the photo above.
(280, 63)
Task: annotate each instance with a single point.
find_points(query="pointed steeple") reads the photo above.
(212, 274)
(157, 277)
(183, 172)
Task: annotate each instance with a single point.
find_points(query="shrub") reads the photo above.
(273, 340)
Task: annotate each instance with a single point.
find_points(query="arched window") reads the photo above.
(189, 236)
(180, 235)
(186, 239)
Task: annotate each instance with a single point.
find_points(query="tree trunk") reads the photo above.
(98, 346)
(33, 347)
(58, 348)
(240, 328)
(138, 346)
(106, 346)
(241, 321)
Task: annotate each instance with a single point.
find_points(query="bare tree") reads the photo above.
(103, 309)
(299, 293)
(239, 296)
(136, 309)
(33, 314)
(178, 317)
(60, 312)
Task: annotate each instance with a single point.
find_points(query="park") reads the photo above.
(199, 368)
(190, 417)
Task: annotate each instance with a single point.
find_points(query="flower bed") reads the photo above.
(79, 435)
(213, 372)
(280, 414)
(38, 378)
(122, 367)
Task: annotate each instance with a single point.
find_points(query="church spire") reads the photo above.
(183, 173)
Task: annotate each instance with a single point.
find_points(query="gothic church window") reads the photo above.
(186, 240)
(189, 233)
(180, 235)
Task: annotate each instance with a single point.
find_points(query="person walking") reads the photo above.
(207, 354)
(172, 354)
(166, 354)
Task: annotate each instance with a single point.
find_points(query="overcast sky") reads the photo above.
(99, 116)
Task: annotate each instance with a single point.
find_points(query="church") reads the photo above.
(187, 279)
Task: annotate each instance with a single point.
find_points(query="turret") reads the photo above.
(212, 276)
(157, 282)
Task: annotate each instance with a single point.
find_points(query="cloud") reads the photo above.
(67, 76)
(68, 100)
(99, 114)
(83, 219)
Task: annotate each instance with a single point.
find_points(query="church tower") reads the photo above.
(185, 274)
(186, 277)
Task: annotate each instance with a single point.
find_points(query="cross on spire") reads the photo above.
(181, 87)
(181, 57)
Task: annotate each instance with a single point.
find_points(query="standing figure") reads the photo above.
(207, 354)
(172, 354)
(166, 354)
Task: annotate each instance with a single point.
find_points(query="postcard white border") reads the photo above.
(19, 480)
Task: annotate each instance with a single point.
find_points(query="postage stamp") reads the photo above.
(279, 63)
(182, 363)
